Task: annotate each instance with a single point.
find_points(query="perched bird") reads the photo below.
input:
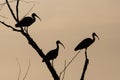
(86, 43)
(27, 21)
(51, 55)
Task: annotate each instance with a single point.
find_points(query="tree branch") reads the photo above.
(11, 11)
(14, 29)
(84, 69)
(19, 69)
(28, 1)
(69, 63)
(39, 51)
(64, 71)
(27, 70)
(85, 66)
(41, 54)
(2, 4)
(17, 12)
(29, 10)
(32, 43)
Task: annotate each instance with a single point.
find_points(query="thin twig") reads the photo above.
(17, 10)
(11, 11)
(2, 4)
(5, 2)
(69, 63)
(28, 1)
(9, 26)
(3, 17)
(29, 10)
(19, 68)
(27, 70)
(64, 71)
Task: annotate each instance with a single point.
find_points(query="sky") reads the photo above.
(69, 21)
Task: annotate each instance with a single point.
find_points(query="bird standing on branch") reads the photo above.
(27, 21)
(51, 55)
(86, 43)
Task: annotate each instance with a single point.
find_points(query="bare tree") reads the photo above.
(30, 40)
(37, 48)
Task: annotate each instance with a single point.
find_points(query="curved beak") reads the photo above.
(97, 36)
(38, 17)
(62, 45)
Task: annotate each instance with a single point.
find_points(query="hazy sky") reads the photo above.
(69, 21)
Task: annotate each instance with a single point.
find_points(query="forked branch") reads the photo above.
(9, 26)
(11, 11)
(32, 43)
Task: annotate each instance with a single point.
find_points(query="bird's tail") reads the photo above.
(76, 49)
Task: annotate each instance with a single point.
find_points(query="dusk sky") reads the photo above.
(69, 21)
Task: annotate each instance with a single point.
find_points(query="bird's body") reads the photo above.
(86, 42)
(51, 55)
(27, 21)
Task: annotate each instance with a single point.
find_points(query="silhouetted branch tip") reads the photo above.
(69, 63)
(64, 71)
(27, 70)
(19, 68)
(9, 26)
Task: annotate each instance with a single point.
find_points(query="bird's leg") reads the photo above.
(86, 53)
(52, 63)
(26, 29)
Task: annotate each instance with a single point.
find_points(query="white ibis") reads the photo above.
(51, 55)
(86, 43)
(27, 21)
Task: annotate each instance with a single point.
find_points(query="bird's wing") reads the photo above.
(83, 44)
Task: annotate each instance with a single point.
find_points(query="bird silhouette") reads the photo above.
(27, 21)
(86, 43)
(51, 55)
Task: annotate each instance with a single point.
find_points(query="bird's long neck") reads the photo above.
(93, 37)
(57, 46)
(33, 17)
